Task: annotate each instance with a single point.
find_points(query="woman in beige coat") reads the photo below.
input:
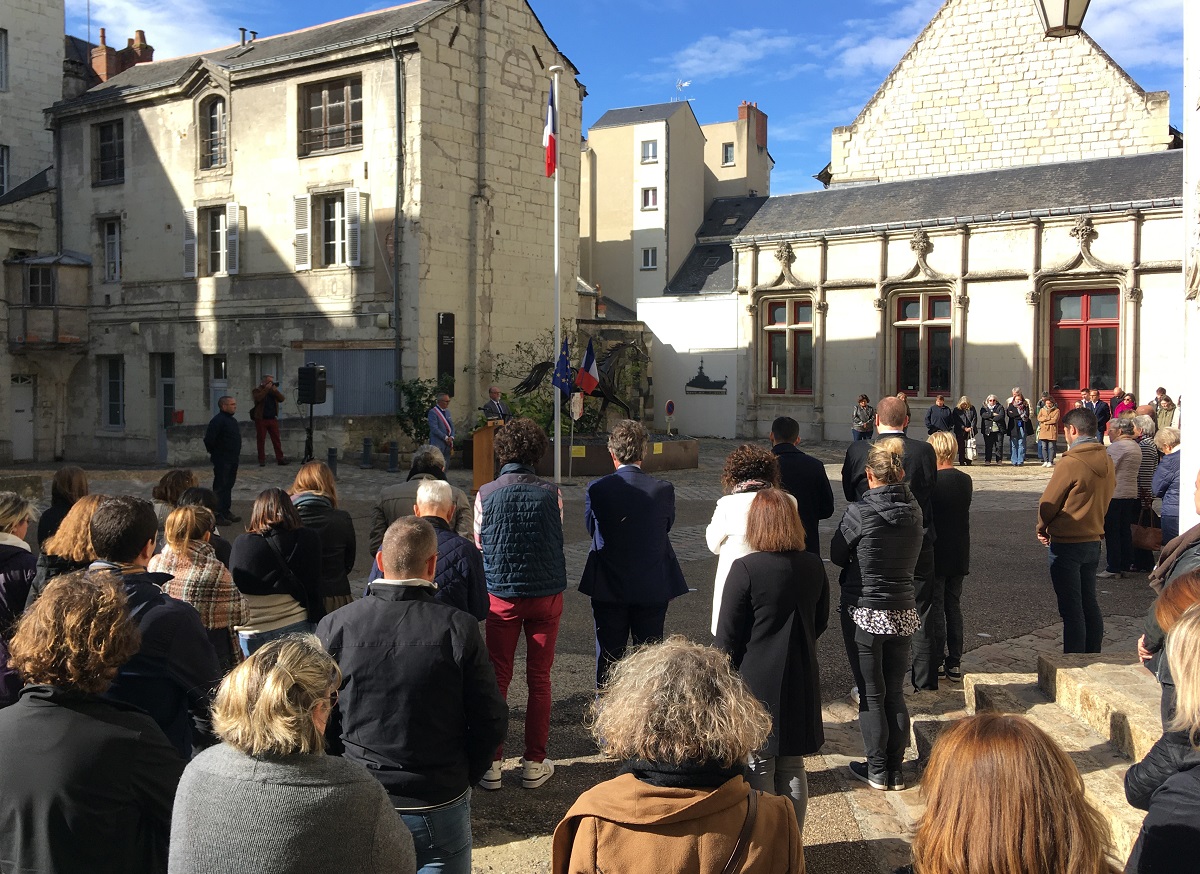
(1048, 417)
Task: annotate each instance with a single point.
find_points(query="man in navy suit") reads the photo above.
(804, 477)
(631, 572)
(1102, 411)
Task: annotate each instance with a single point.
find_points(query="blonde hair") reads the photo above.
(885, 460)
(1001, 796)
(265, 705)
(315, 477)
(435, 494)
(964, 403)
(1183, 655)
(677, 702)
(944, 445)
(14, 510)
(73, 539)
(187, 524)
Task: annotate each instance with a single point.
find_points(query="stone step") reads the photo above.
(1111, 692)
(1101, 764)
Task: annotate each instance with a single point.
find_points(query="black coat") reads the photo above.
(805, 478)
(966, 421)
(1170, 754)
(17, 570)
(992, 415)
(256, 568)
(51, 519)
(223, 439)
(86, 784)
(419, 705)
(920, 471)
(459, 575)
(775, 606)
(939, 419)
(1171, 831)
(951, 516)
(1017, 417)
(877, 545)
(49, 567)
(338, 545)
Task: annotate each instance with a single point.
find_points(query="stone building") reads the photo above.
(649, 175)
(1005, 211)
(236, 211)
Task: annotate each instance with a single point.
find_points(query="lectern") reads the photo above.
(483, 455)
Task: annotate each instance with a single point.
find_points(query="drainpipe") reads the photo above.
(397, 225)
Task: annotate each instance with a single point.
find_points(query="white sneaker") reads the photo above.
(854, 694)
(1108, 575)
(491, 777)
(534, 774)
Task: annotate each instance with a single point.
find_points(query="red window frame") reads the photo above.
(798, 314)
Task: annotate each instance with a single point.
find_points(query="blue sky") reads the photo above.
(809, 65)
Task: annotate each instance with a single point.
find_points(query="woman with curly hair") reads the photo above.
(276, 564)
(199, 578)
(326, 813)
(684, 723)
(748, 469)
(86, 782)
(1001, 795)
(314, 494)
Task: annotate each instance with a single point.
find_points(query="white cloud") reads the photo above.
(173, 30)
(719, 57)
(1138, 32)
(874, 45)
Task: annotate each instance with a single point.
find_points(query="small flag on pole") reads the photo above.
(550, 133)
(562, 370)
(588, 377)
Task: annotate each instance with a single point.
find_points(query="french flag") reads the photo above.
(588, 377)
(550, 133)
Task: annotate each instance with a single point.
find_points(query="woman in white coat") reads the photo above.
(748, 470)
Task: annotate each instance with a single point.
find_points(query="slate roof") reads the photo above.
(39, 183)
(639, 114)
(708, 268)
(1101, 185)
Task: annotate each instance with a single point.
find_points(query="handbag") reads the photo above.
(1147, 530)
(971, 451)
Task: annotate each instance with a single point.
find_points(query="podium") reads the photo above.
(483, 453)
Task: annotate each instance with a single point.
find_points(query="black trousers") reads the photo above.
(952, 591)
(879, 663)
(929, 642)
(617, 624)
(224, 474)
(990, 442)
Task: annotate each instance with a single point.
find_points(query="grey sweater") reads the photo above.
(235, 813)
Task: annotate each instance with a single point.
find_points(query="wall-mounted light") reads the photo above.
(1062, 18)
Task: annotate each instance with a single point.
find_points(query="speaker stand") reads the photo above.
(308, 437)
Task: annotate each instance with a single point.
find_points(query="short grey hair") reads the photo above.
(1146, 425)
(1124, 427)
(1166, 438)
(436, 495)
(428, 457)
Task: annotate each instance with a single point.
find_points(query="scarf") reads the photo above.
(750, 485)
(690, 775)
(7, 538)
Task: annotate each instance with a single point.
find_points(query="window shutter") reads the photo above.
(189, 243)
(352, 202)
(303, 238)
(233, 237)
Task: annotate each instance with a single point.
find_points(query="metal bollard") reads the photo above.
(366, 456)
(332, 460)
(394, 457)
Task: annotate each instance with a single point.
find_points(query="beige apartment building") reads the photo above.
(1005, 211)
(650, 173)
(235, 214)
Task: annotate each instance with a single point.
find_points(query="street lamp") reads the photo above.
(1062, 17)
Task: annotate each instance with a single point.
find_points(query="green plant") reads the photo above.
(416, 397)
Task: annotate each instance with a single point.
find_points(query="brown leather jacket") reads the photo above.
(260, 395)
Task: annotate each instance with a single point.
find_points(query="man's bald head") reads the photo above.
(892, 413)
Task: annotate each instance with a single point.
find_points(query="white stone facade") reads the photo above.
(256, 264)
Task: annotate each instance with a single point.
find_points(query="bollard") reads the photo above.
(366, 458)
(394, 457)
(332, 460)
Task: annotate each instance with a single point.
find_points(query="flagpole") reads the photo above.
(556, 70)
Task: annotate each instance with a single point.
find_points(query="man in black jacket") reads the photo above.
(223, 440)
(419, 706)
(175, 671)
(804, 477)
(920, 472)
(459, 578)
(939, 417)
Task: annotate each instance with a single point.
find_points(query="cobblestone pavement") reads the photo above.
(1008, 604)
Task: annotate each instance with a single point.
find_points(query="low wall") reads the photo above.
(185, 443)
(592, 459)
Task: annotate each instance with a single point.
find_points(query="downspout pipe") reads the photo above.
(397, 224)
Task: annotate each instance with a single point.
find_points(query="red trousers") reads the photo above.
(263, 427)
(538, 618)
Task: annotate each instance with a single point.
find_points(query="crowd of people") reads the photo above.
(171, 700)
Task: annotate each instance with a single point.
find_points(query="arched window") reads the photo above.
(214, 137)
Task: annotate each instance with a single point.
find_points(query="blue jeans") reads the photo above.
(251, 642)
(442, 836)
(860, 435)
(1073, 574)
(1016, 448)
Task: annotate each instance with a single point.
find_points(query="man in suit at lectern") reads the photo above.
(631, 572)
(496, 408)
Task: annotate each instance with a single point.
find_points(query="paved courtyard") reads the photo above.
(1008, 603)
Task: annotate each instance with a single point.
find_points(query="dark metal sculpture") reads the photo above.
(608, 366)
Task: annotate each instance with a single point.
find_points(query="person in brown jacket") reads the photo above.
(1071, 523)
(685, 724)
(267, 398)
(1048, 417)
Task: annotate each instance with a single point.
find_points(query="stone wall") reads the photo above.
(982, 88)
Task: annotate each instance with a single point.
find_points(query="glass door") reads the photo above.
(1084, 344)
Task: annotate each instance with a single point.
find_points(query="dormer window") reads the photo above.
(214, 135)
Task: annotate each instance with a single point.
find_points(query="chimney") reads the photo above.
(104, 60)
(750, 113)
(243, 30)
(136, 52)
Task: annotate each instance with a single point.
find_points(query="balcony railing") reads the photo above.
(35, 328)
